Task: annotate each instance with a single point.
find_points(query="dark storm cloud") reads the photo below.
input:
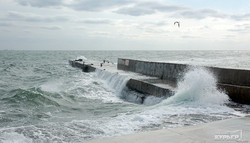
(18, 16)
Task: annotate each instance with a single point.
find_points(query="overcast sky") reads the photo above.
(124, 24)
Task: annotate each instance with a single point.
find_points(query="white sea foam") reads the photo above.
(196, 100)
(115, 81)
(152, 100)
(82, 57)
(117, 84)
(198, 85)
(53, 86)
(14, 137)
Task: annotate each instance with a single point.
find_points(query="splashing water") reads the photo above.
(82, 57)
(113, 81)
(43, 99)
(117, 84)
(198, 85)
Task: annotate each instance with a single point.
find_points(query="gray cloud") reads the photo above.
(244, 28)
(5, 24)
(162, 7)
(188, 37)
(79, 5)
(97, 5)
(17, 16)
(229, 36)
(149, 8)
(205, 13)
(179, 11)
(51, 27)
(160, 23)
(200, 14)
(135, 11)
(99, 33)
(96, 21)
(241, 17)
(130, 7)
(40, 3)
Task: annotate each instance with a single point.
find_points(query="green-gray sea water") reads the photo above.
(43, 99)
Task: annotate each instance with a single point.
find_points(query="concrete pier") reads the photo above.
(142, 84)
(235, 82)
(230, 130)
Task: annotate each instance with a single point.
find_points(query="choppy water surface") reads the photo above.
(44, 99)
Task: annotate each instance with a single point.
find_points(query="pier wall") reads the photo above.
(147, 88)
(166, 71)
(235, 82)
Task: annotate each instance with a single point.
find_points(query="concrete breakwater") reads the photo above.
(235, 82)
(145, 85)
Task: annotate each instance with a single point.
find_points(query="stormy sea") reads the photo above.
(43, 99)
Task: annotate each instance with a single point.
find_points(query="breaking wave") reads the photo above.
(30, 97)
(198, 85)
(117, 83)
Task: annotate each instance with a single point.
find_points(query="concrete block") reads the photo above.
(139, 67)
(158, 71)
(172, 72)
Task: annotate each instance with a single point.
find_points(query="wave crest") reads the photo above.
(198, 85)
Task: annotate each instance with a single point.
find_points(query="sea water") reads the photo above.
(44, 99)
